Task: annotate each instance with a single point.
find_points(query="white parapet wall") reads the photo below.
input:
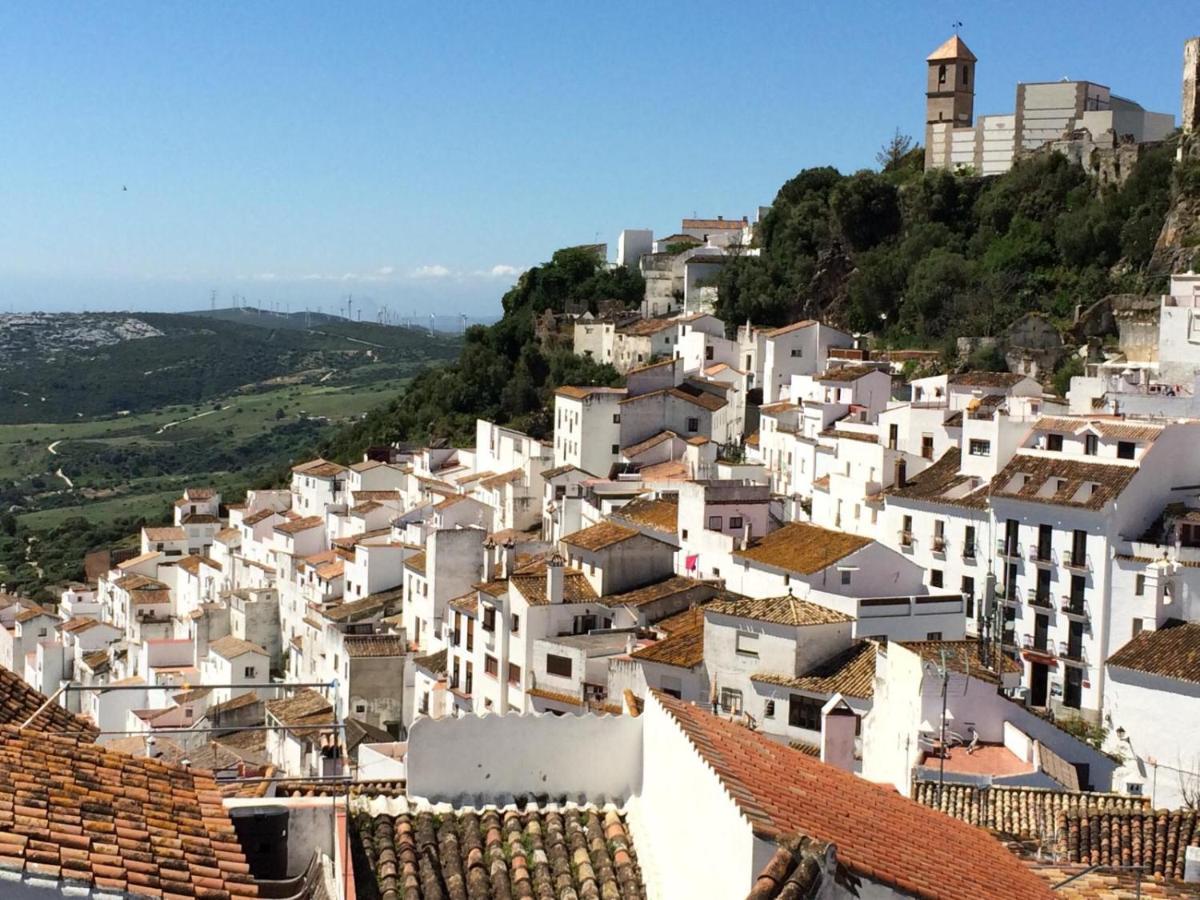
(474, 761)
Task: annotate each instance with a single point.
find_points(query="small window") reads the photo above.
(693, 425)
(489, 618)
(731, 700)
(616, 448)
(1139, 585)
(1133, 788)
(516, 624)
(360, 708)
(769, 709)
(935, 578)
(490, 665)
(715, 523)
(941, 74)
(1054, 442)
(966, 75)
(558, 665)
(747, 643)
(980, 448)
(248, 672)
(804, 712)
(933, 636)
(735, 522)
(797, 353)
(1091, 444)
(616, 418)
(683, 534)
(1139, 625)
(846, 573)
(514, 673)
(1125, 449)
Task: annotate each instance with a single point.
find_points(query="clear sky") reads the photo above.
(419, 154)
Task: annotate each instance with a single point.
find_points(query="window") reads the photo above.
(616, 418)
(731, 700)
(846, 573)
(1054, 442)
(616, 448)
(490, 665)
(714, 523)
(893, 436)
(906, 531)
(693, 425)
(1133, 788)
(804, 712)
(514, 673)
(927, 446)
(769, 709)
(558, 665)
(360, 708)
(933, 636)
(516, 624)
(747, 643)
(248, 672)
(966, 75)
(969, 542)
(980, 448)
(797, 353)
(935, 578)
(1139, 585)
(708, 352)
(1139, 626)
(470, 635)
(683, 534)
(735, 522)
(1125, 449)
(968, 591)
(1091, 444)
(469, 679)
(489, 618)
(941, 74)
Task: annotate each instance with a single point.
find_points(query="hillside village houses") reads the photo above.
(770, 539)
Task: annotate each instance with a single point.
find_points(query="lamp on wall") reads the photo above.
(1120, 733)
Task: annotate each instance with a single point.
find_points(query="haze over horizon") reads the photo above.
(422, 157)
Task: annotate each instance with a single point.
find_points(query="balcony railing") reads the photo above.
(1038, 645)
(1008, 638)
(1011, 549)
(906, 539)
(1041, 555)
(1035, 598)
(1075, 607)
(1068, 653)
(1076, 561)
(939, 546)
(968, 550)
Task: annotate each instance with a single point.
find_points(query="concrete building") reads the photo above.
(587, 428)
(632, 245)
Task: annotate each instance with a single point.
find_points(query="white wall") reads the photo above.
(477, 760)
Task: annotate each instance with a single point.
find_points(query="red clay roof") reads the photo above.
(879, 834)
(76, 811)
(19, 701)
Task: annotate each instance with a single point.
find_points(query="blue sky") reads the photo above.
(421, 154)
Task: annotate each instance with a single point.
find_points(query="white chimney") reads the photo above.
(554, 579)
(747, 530)
(509, 559)
(489, 560)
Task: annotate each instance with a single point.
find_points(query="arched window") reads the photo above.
(942, 74)
(966, 75)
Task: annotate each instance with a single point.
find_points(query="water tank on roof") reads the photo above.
(263, 833)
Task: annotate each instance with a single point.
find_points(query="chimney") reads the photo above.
(900, 478)
(508, 559)
(489, 560)
(747, 530)
(838, 722)
(554, 579)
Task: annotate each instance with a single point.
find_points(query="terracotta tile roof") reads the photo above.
(76, 812)
(416, 562)
(582, 392)
(298, 525)
(715, 224)
(576, 587)
(788, 329)
(653, 365)
(646, 327)
(319, 468)
(844, 374)
(771, 409)
(1018, 812)
(753, 440)
(959, 656)
(549, 474)
(674, 470)
(500, 853)
(138, 560)
(1170, 652)
(648, 444)
(199, 493)
(942, 483)
(500, 480)
(299, 708)
(661, 515)
(682, 647)
(799, 868)
(367, 465)
(851, 673)
(848, 435)
(1116, 428)
(192, 564)
(434, 662)
(377, 495)
(241, 701)
(986, 379)
(166, 533)
(689, 394)
(1105, 835)
(365, 607)
(1069, 487)
(19, 701)
(32, 613)
(468, 603)
(130, 583)
(200, 519)
(659, 590)
(954, 48)
(878, 834)
(785, 610)
(1109, 884)
(255, 518)
(365, 507)
(555, 696)
(331, 570)
(360, 646)
(802, 548)
(230, 647)
(599, 536)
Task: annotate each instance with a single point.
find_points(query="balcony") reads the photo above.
(1036, 644)
(1008, 549)
(906, 541)
(1008, 639)
(1042, 556)
(1074, 607)
(939, 547)
(1072, 653)
(1076, 562)
(1040, 600)
(968, 552)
